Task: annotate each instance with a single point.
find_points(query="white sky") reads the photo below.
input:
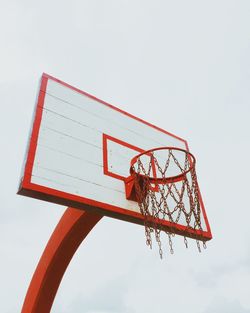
(181, 65)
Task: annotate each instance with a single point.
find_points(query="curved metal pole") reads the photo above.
(72, 228)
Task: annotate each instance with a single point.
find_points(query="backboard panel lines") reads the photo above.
(71, 155)
(71, 137)
(71, 177)
(43, 129)
(64, 126)
(71, 120)
(112, 121)
(77, 122)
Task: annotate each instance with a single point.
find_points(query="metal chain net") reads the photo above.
(175, 201)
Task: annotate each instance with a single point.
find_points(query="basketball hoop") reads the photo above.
(164, 183)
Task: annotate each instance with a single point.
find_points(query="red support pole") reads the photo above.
(71, 230)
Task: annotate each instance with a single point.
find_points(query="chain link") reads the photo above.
(198, 245)
(185, 241)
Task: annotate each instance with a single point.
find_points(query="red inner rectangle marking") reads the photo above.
(107, 138)
(106, 164)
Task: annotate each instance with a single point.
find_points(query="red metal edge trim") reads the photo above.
(35, 132)
(105, 154)
(71, 230)
(209, 233)
(205, 215)
(63, 198)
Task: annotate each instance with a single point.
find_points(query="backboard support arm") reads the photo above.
(70, 231)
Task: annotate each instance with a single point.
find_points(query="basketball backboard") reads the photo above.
(80, 149)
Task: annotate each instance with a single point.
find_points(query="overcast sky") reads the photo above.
(181, 65)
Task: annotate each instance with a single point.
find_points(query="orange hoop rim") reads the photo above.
(164, 180)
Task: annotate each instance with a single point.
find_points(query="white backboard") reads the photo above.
(80, 150)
